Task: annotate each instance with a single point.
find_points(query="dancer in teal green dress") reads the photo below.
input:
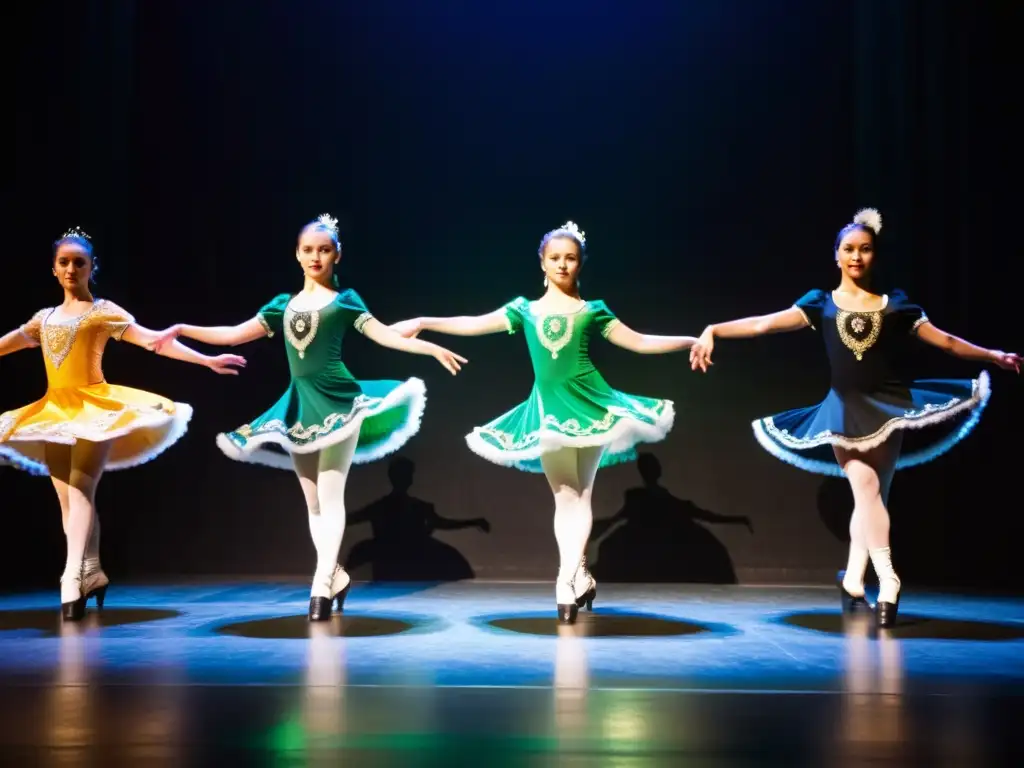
(326, 419)
(573, 422)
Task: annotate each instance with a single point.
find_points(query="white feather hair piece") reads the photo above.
(570, 226)
(870, 218)
(328, 222)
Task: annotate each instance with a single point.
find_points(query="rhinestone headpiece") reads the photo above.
(328, 222)
(76, 232)
(570, 226)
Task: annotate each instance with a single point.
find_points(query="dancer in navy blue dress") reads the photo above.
(857, 429)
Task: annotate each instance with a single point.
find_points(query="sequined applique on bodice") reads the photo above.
(73, 346)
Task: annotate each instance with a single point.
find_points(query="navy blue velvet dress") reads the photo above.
(869, 399)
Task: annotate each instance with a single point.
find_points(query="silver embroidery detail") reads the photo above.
(555, 332)
(305, 322)
(828, 436)
(58, 339)
(609, 327)
(361, 321)
(858, 321)
(572, 427)
(305, 434)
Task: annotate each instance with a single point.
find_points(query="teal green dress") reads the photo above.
(324, 403)
(571, 405)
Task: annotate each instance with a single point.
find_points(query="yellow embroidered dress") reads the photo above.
(79, 404)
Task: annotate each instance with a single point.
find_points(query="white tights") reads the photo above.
(75, 471)
(322, 476)
(571, 473)
(870, 474)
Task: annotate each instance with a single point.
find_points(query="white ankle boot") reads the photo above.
(888, 581)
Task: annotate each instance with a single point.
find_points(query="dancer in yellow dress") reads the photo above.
(83, 425)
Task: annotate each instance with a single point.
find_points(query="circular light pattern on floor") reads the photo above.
(598, 625)
(48, 621)
(300, 627)
(907, 627)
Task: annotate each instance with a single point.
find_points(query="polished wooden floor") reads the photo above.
(228, 674)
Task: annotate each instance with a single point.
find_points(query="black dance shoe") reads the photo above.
(850, 603)
(587, 599)
(73, 611)
(567, 613)
(320, 608)
(885, 613)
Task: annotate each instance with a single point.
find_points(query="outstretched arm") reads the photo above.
(220, 335)
(437, 523)
(958, 347)
(706, 516)
(623, 336)
(15, 341)
(792, 319)
(144, 337)
(465, 325)
(386, 336)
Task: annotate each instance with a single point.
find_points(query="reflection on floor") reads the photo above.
(233, 673)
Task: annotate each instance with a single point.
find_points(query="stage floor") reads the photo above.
(480, 674)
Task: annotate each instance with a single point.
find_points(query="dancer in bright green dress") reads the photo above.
(573, 422)
(326, 419)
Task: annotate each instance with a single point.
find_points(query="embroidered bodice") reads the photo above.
(559, 343)
(864, 348)
(313, 338)
(73, 347)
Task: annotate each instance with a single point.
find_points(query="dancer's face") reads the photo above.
(561, 262)
(73, 266)
(317, 254)
(856, 253)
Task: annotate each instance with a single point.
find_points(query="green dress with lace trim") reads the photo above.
(324, 403)
(571, 405)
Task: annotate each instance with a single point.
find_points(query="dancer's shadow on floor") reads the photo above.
(403, 547)
(658, 538)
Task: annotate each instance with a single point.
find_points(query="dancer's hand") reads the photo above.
(224, 364)
(483, 525)
(165, 337)
(1008, 360)
(408, 329)
(449, 359)
(700, 353)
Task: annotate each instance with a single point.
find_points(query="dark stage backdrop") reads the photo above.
(710, 150)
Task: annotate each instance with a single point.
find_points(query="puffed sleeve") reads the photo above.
(33, 329)
(812, 304)
(911, 316)
(604, 319)
(271, 314)
(355, 308)
(115, 319)
(514, 311)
